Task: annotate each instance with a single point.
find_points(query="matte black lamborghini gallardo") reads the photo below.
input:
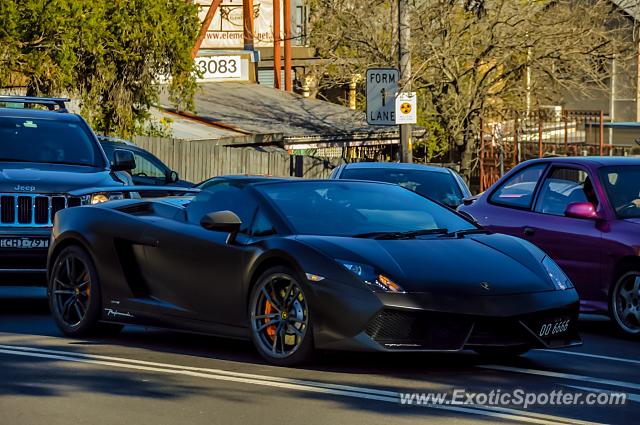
(304, 265)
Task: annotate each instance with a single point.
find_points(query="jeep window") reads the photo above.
(47, 141)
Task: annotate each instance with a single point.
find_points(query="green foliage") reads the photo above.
(434, 144)
(111, 54)
(153, 128)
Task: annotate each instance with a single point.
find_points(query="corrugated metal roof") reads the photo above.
(630, 7)
(189, 129)
(261, 110)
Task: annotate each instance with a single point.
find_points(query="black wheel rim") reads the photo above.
(71, 290)
(279, 316)
(627, 303)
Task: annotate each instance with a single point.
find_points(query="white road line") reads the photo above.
(299, 385)
(594, 356)
(205, 370)
(632, 397)
(591, 379)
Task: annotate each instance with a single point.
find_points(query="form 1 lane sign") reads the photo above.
(382, 87)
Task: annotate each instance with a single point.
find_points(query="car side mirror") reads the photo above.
(123, 160)
(470, 200)
(173, 177)
(585, 210)
(222, 221)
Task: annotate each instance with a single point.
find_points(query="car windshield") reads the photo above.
(439, 186)
(622, 184)
(340, 208)
(47, 141)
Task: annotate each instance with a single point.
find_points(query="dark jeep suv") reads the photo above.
(46, 154)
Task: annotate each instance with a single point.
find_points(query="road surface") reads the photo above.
(155, 377)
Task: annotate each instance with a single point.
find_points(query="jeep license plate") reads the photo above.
(24, 243)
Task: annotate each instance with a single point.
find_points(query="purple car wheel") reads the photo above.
(625, 303)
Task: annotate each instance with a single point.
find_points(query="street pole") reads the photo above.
(288, 78)
(247, 17)
(404, 53)
(276, 44)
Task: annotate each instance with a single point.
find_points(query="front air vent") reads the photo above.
(142, 208)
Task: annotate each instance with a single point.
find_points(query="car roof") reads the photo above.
(396, 166)
(598, 161)
(110, 140)
(245, 179)
(38, 113)
(119, 145)
(249, 180)
(296, 180)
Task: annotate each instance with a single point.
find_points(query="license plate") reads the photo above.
(24, 243)
(554, 327)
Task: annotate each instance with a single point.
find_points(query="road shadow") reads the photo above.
(394, 372)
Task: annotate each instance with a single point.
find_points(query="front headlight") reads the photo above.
(369, 276)
(98, 198)
(560, 280)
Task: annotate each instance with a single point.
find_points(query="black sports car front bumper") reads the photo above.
(427, 322)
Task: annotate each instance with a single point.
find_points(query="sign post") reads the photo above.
(382, 88)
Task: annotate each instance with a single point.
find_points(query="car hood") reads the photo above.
(52, 178)
(632, 220)
(508, 265)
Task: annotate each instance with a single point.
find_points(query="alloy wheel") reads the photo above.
(626, 303)
(71, 290)
(279, 316)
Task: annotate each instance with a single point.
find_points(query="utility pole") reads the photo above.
(276, 44)
(612, 103)
(404, 53)
(247, 17)
(288, 86)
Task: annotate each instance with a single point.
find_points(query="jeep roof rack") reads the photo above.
(50, 102)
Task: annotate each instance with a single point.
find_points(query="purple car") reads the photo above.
(584, 212)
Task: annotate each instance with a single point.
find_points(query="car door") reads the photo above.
(509, 206)
(149, 171)
(195, 271)
(574, 243)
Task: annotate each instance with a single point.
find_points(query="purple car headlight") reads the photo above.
(560, 280)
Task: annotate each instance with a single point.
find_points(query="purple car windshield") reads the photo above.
(622, 184)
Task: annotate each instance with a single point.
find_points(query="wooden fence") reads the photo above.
(202, 159)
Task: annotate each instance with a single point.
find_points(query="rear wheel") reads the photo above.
(75, 296)
(624, 304)
(280, 322)
(502, 352)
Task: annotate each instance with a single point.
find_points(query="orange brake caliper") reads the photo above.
(268, 308)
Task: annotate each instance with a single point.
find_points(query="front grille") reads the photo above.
(426, 330)
(490, 331)
(32, 210)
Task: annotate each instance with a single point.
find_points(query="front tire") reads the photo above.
(75, 295)
(280, 321)
(624, 303)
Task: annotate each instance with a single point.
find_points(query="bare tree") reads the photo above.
(472, 57)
